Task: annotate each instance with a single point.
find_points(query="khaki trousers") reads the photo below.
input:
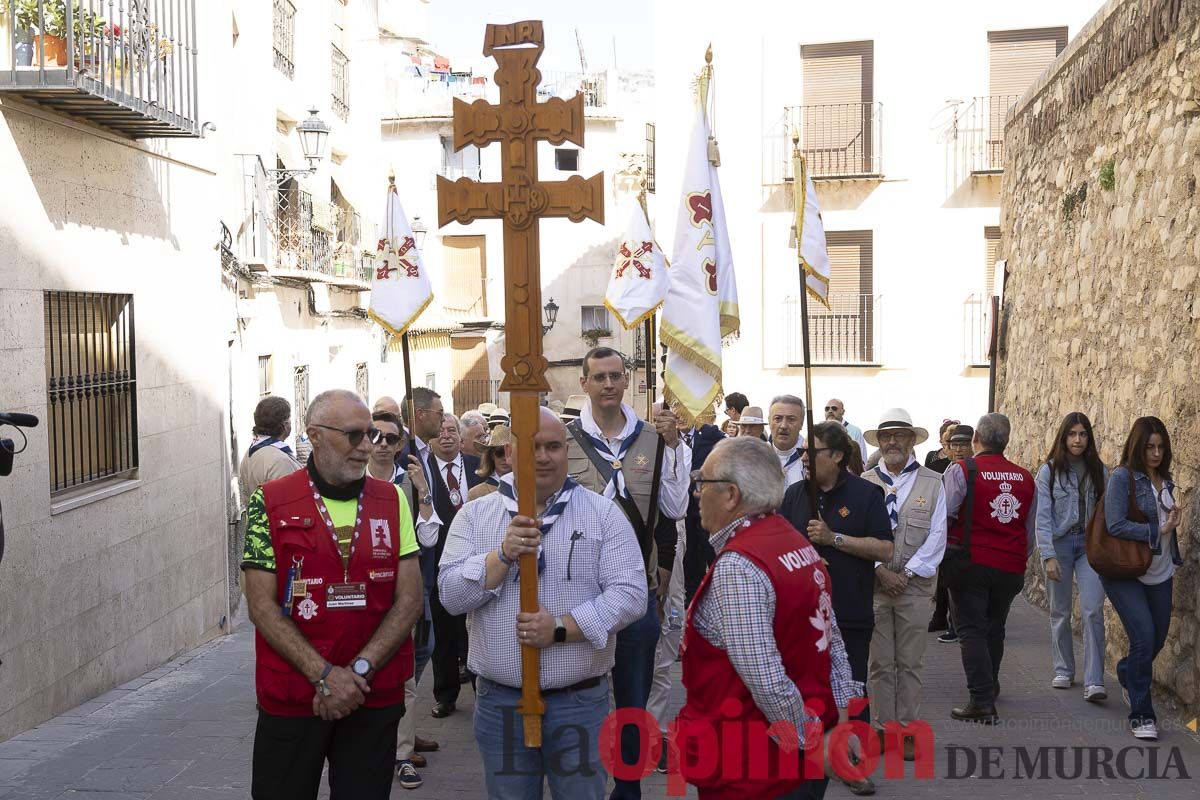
(897, 652)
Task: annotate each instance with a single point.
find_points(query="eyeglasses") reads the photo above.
(376, 436)
(813, 450)
(833, 408)
(893, 436)
(354, 437)
(700, 481)
(606, 377)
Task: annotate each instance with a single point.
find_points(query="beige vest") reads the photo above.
(914, 518)
(638, 467)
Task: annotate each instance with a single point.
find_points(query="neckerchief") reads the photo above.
(269, 441)
(616, 484)
(890, 497)
(555, 506)
(350, 491)
(792, 459)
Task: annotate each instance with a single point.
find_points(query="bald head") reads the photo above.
(549, 454)
(338, 422)
(387, 404)
(835, 410)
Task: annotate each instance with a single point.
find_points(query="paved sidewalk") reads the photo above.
(185, 732)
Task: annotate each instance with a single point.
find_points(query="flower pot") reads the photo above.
(50, 50)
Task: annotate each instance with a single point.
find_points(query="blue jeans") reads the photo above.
(569, 757)
(632, 677)
(1145, 613)
(1072, 561)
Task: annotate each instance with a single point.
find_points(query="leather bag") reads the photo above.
(1113, 557)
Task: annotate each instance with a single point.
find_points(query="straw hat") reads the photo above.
(752, 415)
(486, 409)
(574, 407)
(498, 417)
(894, 419)
(500, 436)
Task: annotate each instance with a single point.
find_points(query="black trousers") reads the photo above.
(290, 753)
(449, 639)
(698, 555)
(858, 653)
(980, 599)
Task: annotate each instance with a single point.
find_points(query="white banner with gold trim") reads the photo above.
(401, 289)
(639, 282)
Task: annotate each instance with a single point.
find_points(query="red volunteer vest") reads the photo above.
(803, 619)
(338, 634)
(1004, 495)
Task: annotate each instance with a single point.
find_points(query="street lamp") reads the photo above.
(419, 230)
(314, 135)
(551, 310)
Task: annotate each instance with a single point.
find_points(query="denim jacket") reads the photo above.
(1058, 518)
(1116, 511)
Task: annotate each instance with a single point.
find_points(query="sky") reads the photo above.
(456, 30)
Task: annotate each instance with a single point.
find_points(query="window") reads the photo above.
(566, 159)
(265, 376)
(466, 275)
(650, 156)
(362, 380)
(285, 37)
(845, 332)
(595, 318)
(991, 254)
(91, 378)
(340, 67)
(463, 164)
(1015, 60)
(836, 123)
(431, 381)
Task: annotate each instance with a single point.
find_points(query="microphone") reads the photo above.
(19, 420)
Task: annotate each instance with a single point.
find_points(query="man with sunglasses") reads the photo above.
(644, 468)
(835, 411)
(851, 532)
(333, 588)
(592, 583)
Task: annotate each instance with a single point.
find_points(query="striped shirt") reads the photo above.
(594, 572)
(737, 615)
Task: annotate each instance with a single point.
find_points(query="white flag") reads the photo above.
(702, 305)
(810, 238)
(639, 282)
(400, 290)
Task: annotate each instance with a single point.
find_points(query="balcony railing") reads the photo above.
(978, 132)
(471, 393)
(846, 333)
(593, 85)
(284, 38)
(341, 84)
(840, 140)
(126, 65)
(977, 330)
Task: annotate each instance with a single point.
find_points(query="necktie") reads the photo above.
(890, 497)
(687, 437)
(452, 485)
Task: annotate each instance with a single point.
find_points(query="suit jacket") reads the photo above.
(441, 495)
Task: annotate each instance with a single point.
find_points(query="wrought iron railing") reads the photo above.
(341, 84)
(840, 140)
(977, 330)
(284, 37)
(845, 333)
(593, 85)
(126, 65)
(978, 132)
(471, 393)
(91, 378)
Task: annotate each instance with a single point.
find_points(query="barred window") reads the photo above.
(651, 155)
(300, 408)
(362, 380)
(91, 379)
(265, 376)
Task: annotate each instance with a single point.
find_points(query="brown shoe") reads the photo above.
(910, 749)
(424, 745)
(418, 761)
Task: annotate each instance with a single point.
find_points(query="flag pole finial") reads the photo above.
(392, 176)
(708, 55)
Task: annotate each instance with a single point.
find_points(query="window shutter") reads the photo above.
(1017, 58)
(466, 275)
(991, 241)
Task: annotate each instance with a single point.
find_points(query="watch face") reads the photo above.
(361, 667)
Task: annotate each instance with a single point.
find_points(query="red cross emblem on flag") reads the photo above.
(411, 269)
(634, 259)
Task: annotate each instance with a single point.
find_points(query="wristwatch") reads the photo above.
(838, 539)
(560, 630)
(427, 500)
(361, 667)
(908, 573)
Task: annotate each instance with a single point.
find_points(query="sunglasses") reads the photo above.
(833, 408)
(377, 436)
(355, 437)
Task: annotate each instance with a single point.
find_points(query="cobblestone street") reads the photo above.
(185, 732)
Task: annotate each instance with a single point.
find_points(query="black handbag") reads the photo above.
(957, 560)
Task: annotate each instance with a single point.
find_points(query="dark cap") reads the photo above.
(962, 433)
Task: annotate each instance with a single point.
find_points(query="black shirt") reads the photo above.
(854, 507)
(936, 462)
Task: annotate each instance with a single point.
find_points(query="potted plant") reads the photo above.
(50, 22)
(593, 335)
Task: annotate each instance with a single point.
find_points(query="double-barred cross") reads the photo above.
(518, 123)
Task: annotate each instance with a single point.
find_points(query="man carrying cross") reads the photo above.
(645, 471)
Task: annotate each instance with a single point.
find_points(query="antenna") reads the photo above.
(582, 58)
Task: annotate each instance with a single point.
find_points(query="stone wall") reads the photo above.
(1101, 227)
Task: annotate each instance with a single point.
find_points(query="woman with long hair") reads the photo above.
(1068, 486)
(1144, 603)
(938, 460)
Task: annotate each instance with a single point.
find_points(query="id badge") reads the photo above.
(346, 595)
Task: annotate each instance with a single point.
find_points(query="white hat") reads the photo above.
(752, 415)
(895, 418)
(573, 407)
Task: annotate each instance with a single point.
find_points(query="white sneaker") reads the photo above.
(1147, 730)
(1061, 682)
(1094, 693)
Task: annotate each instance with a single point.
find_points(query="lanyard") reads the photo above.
(320, 501)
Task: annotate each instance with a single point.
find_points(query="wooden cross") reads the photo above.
(518, 123)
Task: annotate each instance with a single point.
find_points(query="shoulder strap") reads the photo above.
(589, 449)
(644, 531)
(972, 471)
